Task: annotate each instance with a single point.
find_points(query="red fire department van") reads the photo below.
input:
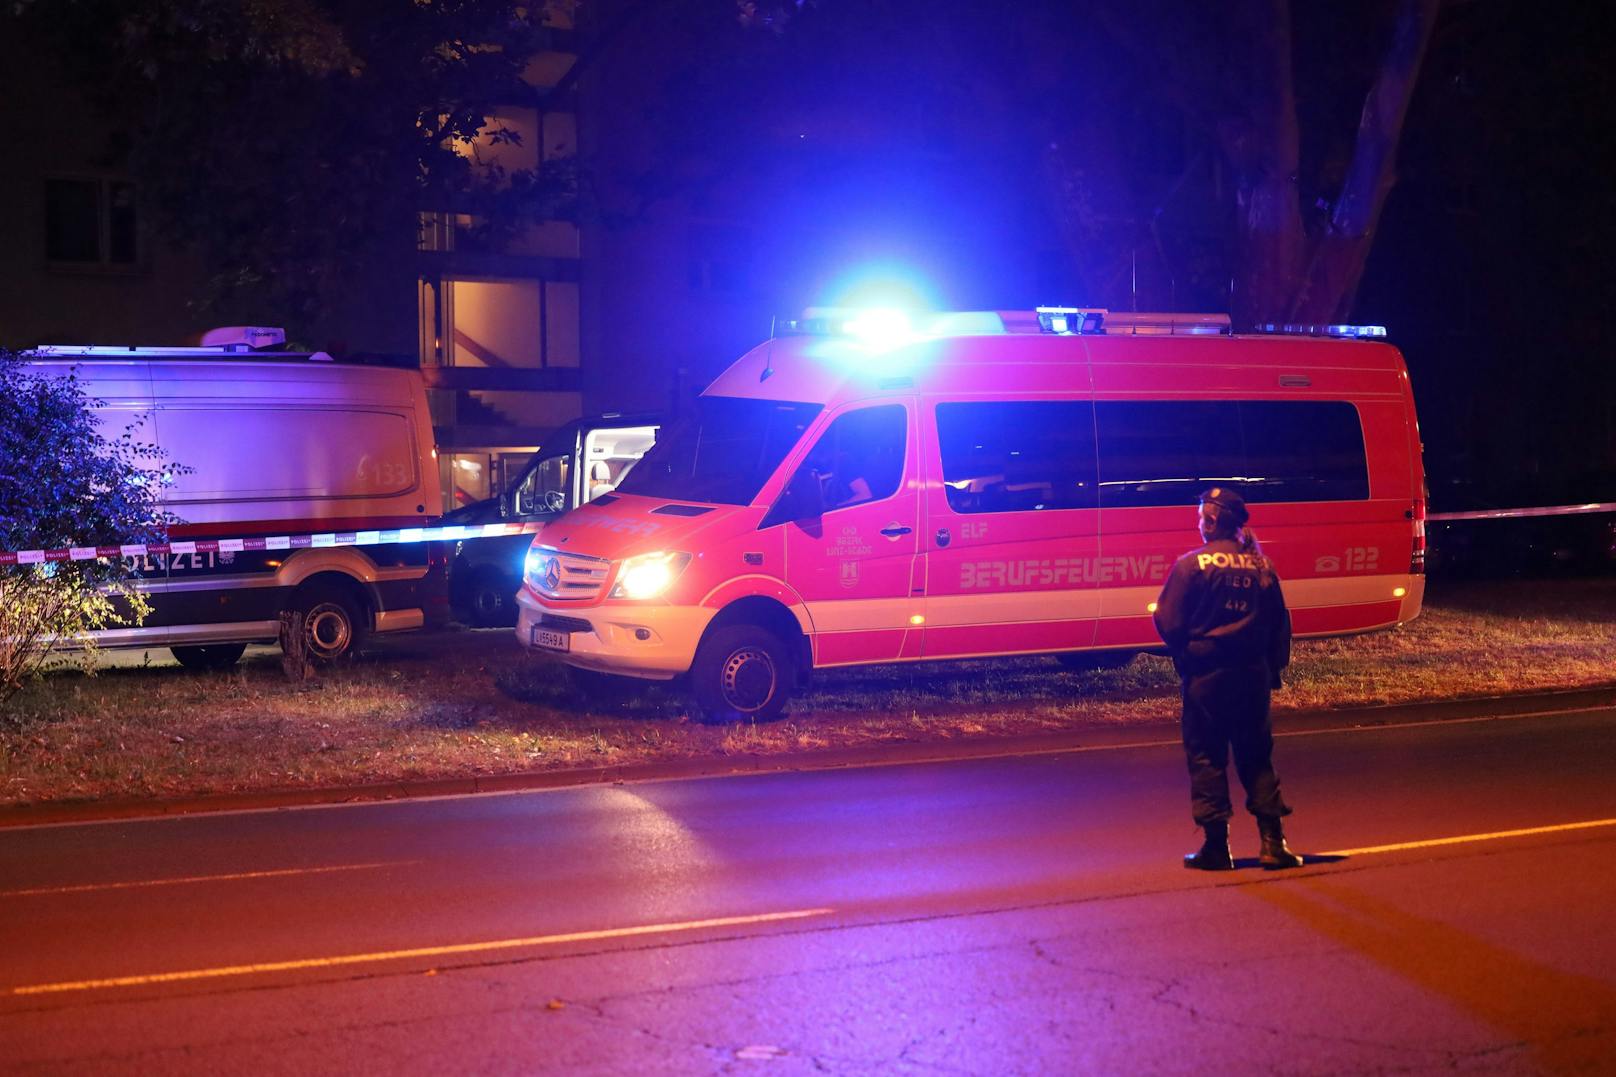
(866, 488)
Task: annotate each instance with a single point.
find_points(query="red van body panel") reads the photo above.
(907, 576)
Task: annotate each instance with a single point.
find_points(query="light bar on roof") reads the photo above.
(1099, 320)
(888, 327)
(1348, 332)
(1062, 320)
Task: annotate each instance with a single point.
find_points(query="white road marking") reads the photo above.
(1464, 838)
(418, 952)
(184, 879)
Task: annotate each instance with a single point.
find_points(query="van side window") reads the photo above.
(1164, 452)
(1017, 455)
(860, 455)
(545, 488)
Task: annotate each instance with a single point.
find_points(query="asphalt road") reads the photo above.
(1022, 914)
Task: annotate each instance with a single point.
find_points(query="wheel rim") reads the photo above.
(747, 679)
(327, 630)
(487, 601)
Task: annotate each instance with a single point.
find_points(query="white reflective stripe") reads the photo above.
(82, 553)
(862, 614)
(231, 582)
(1129, 601)
(1020, 607)
(367, 538)
(31, 557)
(410, 534)
(279, 542)
(322, 541)
(230, 546)
(137, 549)
(1342, 590)
(182, 547)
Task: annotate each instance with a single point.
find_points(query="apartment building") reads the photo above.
(495, 328)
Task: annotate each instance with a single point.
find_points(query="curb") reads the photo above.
(891, 754)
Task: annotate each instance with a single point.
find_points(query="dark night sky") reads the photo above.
(915, 137)
(916, 145)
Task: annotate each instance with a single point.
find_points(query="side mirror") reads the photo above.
(802, 499)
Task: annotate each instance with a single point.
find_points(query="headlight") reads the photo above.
(649, 574)
(534, 565)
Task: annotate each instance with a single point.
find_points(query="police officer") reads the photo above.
(1223, 617)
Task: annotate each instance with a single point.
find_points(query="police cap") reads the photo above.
(1228, 499)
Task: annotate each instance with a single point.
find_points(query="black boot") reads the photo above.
(1214, 854)
(1275, 853)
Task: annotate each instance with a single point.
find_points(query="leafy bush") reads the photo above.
(65, 480)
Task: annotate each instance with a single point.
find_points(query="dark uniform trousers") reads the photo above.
(1226, 709)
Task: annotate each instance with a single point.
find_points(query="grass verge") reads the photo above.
(466, 703)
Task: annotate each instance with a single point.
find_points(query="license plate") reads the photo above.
(551, 640)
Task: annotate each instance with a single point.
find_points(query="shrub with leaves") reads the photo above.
(68, 480)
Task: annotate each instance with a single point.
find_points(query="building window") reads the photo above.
(90, 222)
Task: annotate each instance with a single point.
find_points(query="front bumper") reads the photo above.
(651, 642)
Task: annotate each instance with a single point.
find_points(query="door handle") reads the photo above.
(894, 530)
(943, 536)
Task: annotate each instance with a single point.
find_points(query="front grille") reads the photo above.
(565, 624)
(555, 574)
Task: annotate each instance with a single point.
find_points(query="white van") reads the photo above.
(278, 443)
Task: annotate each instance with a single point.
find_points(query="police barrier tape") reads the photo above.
(1508, 514)
(320, 540)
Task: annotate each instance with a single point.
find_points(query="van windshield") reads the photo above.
(723, 453)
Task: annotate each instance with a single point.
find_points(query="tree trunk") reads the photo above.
(1263, 148)
(1337, 263)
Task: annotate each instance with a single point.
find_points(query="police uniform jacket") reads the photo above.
(1223, 607)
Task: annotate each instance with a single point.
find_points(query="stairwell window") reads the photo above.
(90, 223)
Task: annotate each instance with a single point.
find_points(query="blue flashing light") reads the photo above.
(1348, 332)
(1064, 320)
(888, 327)
(880, 329)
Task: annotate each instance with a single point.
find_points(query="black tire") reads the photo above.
(335, 622)
(1085, 660)
(742, 672)
(490, 600)
(209, 655)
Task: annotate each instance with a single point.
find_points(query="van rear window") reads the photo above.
(1164, 452)
(723, 453)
